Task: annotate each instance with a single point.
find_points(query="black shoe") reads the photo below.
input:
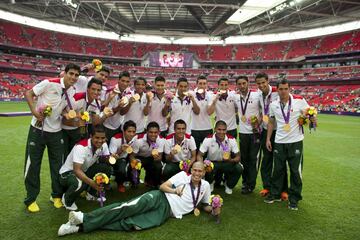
(246, 191)
(271, 199)
(293, 206)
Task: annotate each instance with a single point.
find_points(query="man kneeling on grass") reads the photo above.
(86, 159)
(179, 195)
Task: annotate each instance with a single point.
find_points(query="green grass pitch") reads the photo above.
(330, 208)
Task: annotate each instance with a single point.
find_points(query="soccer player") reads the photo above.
(268, 95)
(288, 146)
(178, 196)
(115, 101)
(86, 101)
(181, 106)
(248, 103)
(134, 110)
(149, 148)
(224, 106)
(155, 103)
(119, 144)
(179, 146)
(223, 151)
(103, 75)
(201, 123)
(86, 159)
(45, 131)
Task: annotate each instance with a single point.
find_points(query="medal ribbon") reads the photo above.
(287, 117)
(200, 96)
(225, 147)
(266, 104)
(243, 108)
(67, 99)
(195, 200)
(150, 143)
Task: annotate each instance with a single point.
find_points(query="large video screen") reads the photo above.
(171, 59)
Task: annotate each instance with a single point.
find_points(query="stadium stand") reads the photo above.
(333, 96)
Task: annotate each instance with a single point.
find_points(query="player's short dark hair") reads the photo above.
(129, 124)
(140, 79)
(241, 77)
(261, 75)
(97, 129)
(72, 66)
(220, 123)
(179, 121)
(124, 74)
(105, 69)
(152, 125)
(223, 79)
(201, 77)
(159, 79)
(282, 81)
(182, 79)
(94, 81)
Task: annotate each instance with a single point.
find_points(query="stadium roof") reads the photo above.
(176, 19)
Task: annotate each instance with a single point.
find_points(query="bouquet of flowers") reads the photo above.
(97, 64)
(184, 165)
(46, 112)
(254, 121)
(135, 168)
(101, 179)
(209, 166)
(308, 118)
(216, 201)
(85, 116)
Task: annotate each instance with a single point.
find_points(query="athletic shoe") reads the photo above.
(271, 199)
(76, 218)
(57, 202)
(284, 196)
(121, 188)
(67, 228)
(228, 190)
(73, 206)
(246, 191)
(264, 192)
(33, 207)
(293, 206)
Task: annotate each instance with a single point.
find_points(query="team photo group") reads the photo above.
(188, 142)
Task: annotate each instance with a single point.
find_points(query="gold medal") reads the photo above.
(124, 100)
(177, 148)
(112, 160)
(155, 152)
(196, 212)
(266, 119)
(107, 111)
(72, 114)
(129, 150)
(136, 97)
(226, 155)
(287, 127)
(243, 118)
